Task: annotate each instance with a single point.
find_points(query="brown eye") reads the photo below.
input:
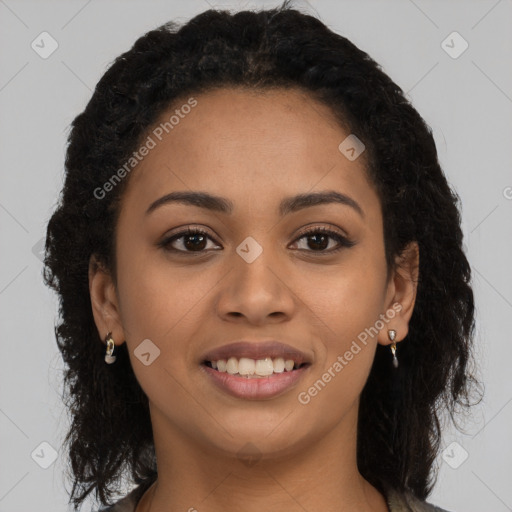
(190, 240)
(318, 240)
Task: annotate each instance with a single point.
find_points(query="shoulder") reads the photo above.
(407, 502)
(397, 502)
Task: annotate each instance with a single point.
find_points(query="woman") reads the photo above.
(265, 304)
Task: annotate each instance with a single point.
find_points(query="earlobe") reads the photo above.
(104, 301)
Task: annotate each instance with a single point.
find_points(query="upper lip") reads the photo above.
(256, 350)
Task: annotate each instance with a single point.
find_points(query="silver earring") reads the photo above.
(392, 336)
(109, 358)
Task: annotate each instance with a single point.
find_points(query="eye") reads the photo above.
(190, 240)
(319, 238)
(195, 240)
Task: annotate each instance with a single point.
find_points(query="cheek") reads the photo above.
(348, 300)
(349, 304)
(343, 364)
(163, 301)
(161, 306)
(154, 301)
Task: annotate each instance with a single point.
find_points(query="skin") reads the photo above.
(253, 148)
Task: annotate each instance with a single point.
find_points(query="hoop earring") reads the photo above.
(109, 358)
(392, 336)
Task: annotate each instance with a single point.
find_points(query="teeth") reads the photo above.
(265, 367)
(247, 367)
(232, 365)
(279, 365)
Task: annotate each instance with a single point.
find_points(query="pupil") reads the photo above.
(195, 245)
(324, 239)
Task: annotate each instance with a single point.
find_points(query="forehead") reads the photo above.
(272, 120)
(250, 143)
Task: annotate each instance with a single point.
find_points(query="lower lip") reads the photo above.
(256, 388)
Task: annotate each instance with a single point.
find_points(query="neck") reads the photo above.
(321, 475)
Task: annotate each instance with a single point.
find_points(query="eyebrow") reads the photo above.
(287, 205)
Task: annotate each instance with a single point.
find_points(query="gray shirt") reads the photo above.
(397, 502)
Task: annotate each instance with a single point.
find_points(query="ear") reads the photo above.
(401, 294)
(104, 302)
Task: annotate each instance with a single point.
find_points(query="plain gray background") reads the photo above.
(466, 99)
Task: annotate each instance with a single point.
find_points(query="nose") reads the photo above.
(258, 292)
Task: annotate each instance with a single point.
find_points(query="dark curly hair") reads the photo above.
(399, 427)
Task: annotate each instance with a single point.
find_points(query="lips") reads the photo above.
(247, 356)
(256, 350)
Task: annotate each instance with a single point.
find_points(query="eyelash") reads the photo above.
(343, 241)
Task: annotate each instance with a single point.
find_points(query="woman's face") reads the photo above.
(255, 275)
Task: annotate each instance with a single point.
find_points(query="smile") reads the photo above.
(254, 368)
(280, 376)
